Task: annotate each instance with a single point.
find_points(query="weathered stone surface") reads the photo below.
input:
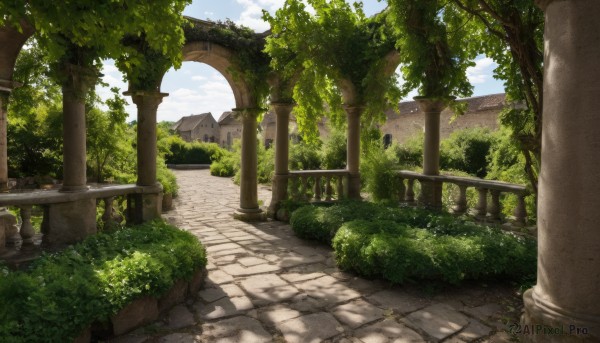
(311, 328)
(277, 314)
(251, 261)
(70, 222)
(180, 317)
(269, 288)
(473, 331)
(398, 301)
(484, 312)
(298, 277)
(438, 321)
(357, 313)
(197, 281)
(175, 295)
(239, 270)
(178, 338)
(328, 289)
(139, 312)
(218, 277)
(224, 307)
(131, 338)
(236, 329)
(388, 331)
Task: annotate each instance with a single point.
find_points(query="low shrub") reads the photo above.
(182, 152)
(404, 244)
(467, 150)
(379, 175)
(62, 293)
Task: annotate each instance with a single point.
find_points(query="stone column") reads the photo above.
(78, 81)
(249, 210)
(5, 89)
(146, 206)
(567, 294)
(71, 222)
(431, 192)
(353, 151)
(280, 179)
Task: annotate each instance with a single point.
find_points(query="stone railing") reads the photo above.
(26, 200)
(317, 185)
(483, 210)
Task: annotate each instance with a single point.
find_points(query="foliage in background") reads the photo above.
(378, 173)
(64, 292)
(179, 151)
(303, 47)
(467, 150)
(333, 151)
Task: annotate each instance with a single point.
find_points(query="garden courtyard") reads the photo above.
(264, 284)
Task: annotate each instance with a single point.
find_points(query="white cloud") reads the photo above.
(482, 71)
(196, 77)
(251, 15)
(209, 14)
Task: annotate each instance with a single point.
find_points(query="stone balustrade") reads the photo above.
(317, 185)
(26, 200)
(483, 210)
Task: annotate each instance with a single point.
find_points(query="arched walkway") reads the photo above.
(265, 285)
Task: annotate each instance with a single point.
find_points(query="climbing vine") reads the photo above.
(338, 42)
(251, 63)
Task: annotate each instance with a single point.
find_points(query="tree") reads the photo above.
(511, 33)
(326, 53)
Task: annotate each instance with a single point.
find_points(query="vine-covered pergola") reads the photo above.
(300, 65)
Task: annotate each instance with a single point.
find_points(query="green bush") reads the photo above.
(333, 152)
(404, 244)
(410, 154)
(304, 156)
(62, 293)
(182, 152)
(166, 178)
(378, 174)
(467, 150)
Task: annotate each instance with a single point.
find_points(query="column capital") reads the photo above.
(543, 4)
(433, 104)
(251, 112)
(141, 97)
(283, 107)
(354, 109)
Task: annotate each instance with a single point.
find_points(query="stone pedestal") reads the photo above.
(249, 210)
(146, 206)
(69, 223)
(280, 179)
(566, 294)
(75, 86)
(431, 192)
(353, 151)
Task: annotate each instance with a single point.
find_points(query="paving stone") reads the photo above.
(357, 313)
(236, 269)
(474, 330)
(251, 261)
(483, 312)
(298, 277)
(328, 289)
(388, 331)
(238, 251)
(293, 259)
(304, 303)
(224, 307)
(211, 294)
(180, 317)
(131, 338)
(398, 301)
(278, 313)
(218, 277)
(438, 321)
(269, 288)
(178, 338)
(311, 328)
(236, 329)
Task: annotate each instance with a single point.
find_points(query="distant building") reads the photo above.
(268, 126)
(198, 127)
(230, 129)
(482, 111)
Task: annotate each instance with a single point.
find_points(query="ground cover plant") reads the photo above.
(404, 244)
(62, 293)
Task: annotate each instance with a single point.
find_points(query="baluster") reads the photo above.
(303, 194)
(520, 212)
(328, 189)
(294, 186)
(401, 190)
(26, 231)
(460, 205)
(410, 191)
(340, 187)
(107, 217)
(481, 208)
(317, 188)
(495, 207)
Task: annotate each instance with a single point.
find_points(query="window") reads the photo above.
(387, 140)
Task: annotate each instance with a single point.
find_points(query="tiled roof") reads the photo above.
(475, 104)
(226, 117)
(190, 122)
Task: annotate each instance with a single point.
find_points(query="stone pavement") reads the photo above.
(266, 285)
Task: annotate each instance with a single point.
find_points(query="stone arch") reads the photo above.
(11, 41)
(221, 59)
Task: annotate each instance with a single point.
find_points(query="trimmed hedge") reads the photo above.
(408, 244)
(62, 293)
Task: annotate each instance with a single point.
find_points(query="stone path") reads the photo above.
(266, 285)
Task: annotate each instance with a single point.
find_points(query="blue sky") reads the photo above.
(197, 88)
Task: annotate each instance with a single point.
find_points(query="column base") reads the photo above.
(544, 322)
(69, 223)
(250, 215)
(353, 187)
(431, 195)
(74, 189)
(144, 207)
